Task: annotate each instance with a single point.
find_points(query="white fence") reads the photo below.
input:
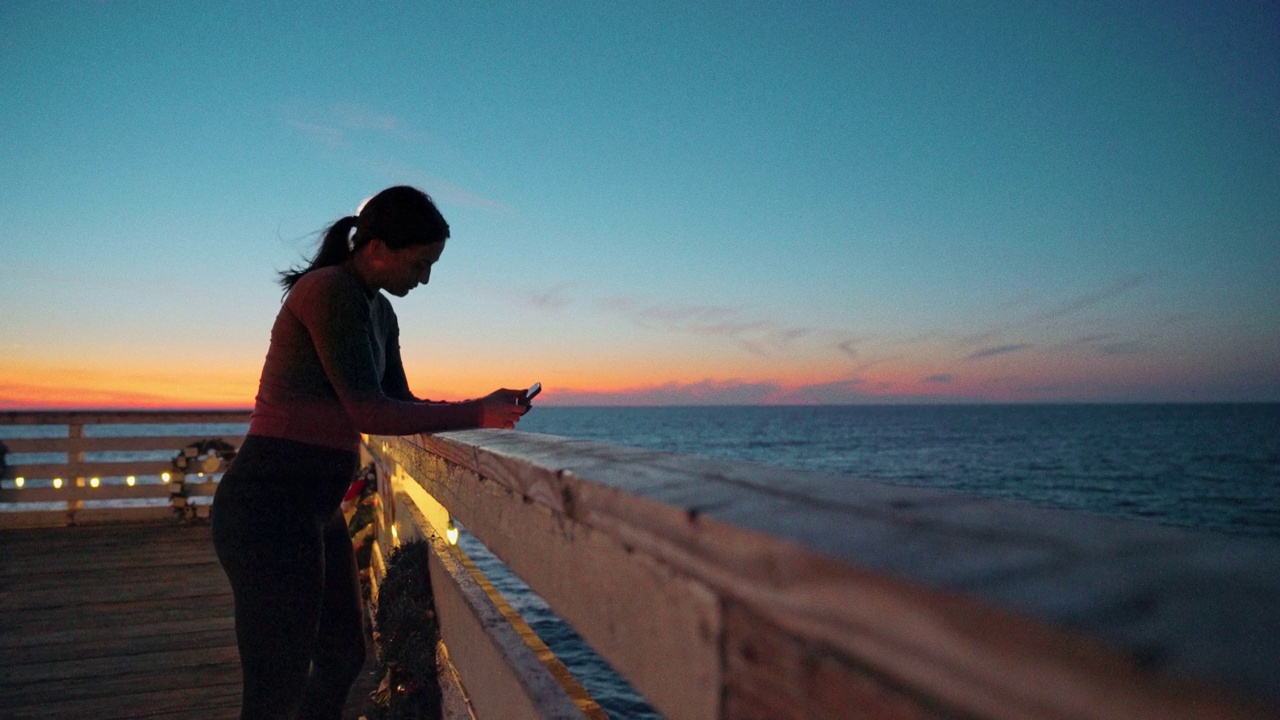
(73, 490)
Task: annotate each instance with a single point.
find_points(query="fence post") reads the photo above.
(75, 459)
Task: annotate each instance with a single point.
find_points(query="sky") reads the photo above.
(655, 202)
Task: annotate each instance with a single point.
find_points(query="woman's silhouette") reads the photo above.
(332, 371)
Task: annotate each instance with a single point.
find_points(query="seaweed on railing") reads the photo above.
(407, 631)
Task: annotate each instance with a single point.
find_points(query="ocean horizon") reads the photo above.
(1203, 466)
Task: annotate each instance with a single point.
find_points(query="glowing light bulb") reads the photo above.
(394, 534)
(164, 477)
(451, 532)
(130, 481)
(94, 482)
(20, 481)
(57, 483)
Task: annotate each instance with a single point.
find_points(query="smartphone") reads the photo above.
(531, 392)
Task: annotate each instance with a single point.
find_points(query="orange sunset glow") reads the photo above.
(1015, 205)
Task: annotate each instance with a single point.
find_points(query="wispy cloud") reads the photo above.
(1103, 344)
(997, 350)
(1124, 347)
(739, 325)
(1069, 308)
(1093, 339)
(329, 136)
(736, 324)
(1086, 301)
(440, 189)
(349, 127)
(337, 124)
(552, 299)
(357, 117)
(724, 392)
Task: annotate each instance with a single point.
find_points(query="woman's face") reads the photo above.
(407, 268)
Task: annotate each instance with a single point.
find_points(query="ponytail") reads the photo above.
(336, 246)
(400, 216)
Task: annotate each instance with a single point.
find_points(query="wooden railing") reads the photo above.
(730, 590)
(85, 490)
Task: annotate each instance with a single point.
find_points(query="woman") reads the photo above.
(333, 371)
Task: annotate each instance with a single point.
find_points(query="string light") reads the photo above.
(57, 483)
(451, 532)
(93, 482)
(19, 481)
(130, 481)
(164, 477)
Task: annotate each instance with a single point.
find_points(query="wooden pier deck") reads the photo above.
(119, 621)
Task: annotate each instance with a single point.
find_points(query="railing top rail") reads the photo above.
(822, 555)
(105, 417)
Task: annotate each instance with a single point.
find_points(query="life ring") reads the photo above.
(205, 457)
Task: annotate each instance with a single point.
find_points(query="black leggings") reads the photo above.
(282, 541)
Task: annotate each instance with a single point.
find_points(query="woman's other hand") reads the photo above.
(501, 409)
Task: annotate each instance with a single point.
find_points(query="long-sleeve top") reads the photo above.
(333, 369)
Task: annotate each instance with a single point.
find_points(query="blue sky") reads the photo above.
(656, 202)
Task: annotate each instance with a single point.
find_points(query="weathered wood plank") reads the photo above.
(116, 615)
(112, 646)
(139, 674)
(86, 540)
(172, 443)
(79, 668)
(774, 676)
(88, 507)
(199, 701)
(91, 515)
(122, 635)
(91, 640)
(143, 627)
(644, 611)
(102, 492)
(29, 519)
(193, 585)
(505, 677)
(72, 568)
(119, 417)
(101, 469)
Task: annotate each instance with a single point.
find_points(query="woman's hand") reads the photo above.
(501, 409)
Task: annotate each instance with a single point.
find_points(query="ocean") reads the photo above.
(1206, 467)
(1209, 467)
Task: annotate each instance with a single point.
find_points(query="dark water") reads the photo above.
(1208, 467)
